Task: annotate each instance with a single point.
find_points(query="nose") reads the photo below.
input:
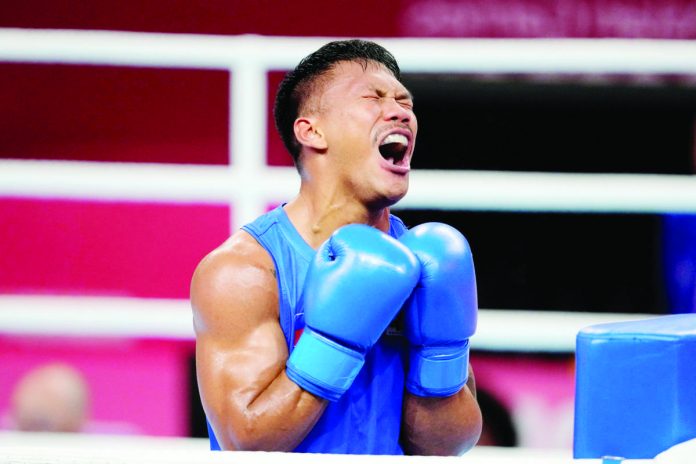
(393, 111)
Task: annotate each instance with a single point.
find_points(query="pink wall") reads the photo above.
(139, 249)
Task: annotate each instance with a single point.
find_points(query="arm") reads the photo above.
(442, 426)
(441, 414)
(241, 352)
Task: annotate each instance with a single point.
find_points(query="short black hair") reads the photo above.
(296, 87)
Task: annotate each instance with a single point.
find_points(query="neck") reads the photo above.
(317, 213)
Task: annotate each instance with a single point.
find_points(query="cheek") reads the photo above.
(352, 130)
(356, 131)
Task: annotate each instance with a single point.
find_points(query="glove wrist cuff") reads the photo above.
(437, 371)
(323, 367)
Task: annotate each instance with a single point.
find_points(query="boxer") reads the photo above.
(325, 325)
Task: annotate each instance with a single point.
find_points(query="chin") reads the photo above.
(390, 197)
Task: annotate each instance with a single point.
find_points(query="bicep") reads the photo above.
(233, 369)
(240, 346)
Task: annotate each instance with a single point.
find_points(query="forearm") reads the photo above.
(276, 419)
(441, 426)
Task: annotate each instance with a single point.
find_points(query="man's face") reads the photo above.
(370, 128)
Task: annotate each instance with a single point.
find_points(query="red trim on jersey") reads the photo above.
(298, 333)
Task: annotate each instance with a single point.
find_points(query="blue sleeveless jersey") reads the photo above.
(367, 418)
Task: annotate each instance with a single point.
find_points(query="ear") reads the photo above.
(309, 134)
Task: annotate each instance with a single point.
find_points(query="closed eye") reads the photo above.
(408, 104)
(405, 99)
(405, 102)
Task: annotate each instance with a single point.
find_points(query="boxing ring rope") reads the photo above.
(498, 330)
(426, 55)
(42, 448)
(430, 189)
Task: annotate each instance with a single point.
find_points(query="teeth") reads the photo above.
(395, 138)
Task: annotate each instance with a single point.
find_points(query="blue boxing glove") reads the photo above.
(356, 284)
(440, 315)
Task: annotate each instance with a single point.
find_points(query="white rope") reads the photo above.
(95, 316)
(414, 55)
(498, 330)
(40, 448)
(448, 190)
(537, 331)
(555, 192)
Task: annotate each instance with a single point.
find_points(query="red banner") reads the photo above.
(665, 19)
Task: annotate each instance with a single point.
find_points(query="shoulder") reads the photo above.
(237, 276)
(240, 252)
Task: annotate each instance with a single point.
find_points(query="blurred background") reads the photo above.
(125, 157)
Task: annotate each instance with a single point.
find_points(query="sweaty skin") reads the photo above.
(240, 350)
(442, 426)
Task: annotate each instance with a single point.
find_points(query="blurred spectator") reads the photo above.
(50, 398)
(679, 261)
(498, 427)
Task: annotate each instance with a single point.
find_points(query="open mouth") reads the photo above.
(394, 148)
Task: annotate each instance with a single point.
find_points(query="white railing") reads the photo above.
(33, 447)
(498, 330)
(431, 189)
(583, 56)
